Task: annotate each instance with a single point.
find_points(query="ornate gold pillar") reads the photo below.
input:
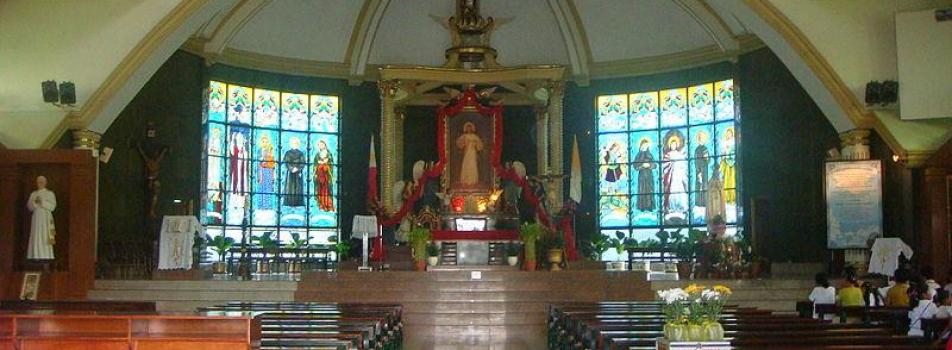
(542, 140)
(388, 139)
(88, 140)
(556, 156)
(400, 114)
(855, 144)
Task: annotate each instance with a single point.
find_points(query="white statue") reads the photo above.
(42, 231)
(470, 144)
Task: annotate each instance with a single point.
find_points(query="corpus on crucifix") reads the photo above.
(152, 153)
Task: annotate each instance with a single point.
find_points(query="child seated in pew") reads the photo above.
(822, 293)
(898, 296)
(944, 299)
(850, 294)
(925, 308)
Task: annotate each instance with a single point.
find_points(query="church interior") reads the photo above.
(475, 174)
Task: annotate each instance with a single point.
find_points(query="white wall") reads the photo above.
(925, 65)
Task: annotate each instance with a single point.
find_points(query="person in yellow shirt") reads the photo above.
(851, 294)
(898, 295)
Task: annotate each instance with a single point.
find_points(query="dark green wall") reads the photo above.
(783, 138)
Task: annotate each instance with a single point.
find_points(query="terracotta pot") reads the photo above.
(419, 265)
(684, 270)
(219, 267)
(555, 259)
(530, 265)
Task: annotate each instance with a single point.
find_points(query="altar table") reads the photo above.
(493, 235)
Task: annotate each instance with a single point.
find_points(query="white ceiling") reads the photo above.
(529, 33)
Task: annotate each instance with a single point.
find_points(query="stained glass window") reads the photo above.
(656, 171)
(271, 163)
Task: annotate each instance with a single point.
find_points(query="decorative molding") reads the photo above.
(270, 63)
(713, 24)
(472, 76)
(675, 61)
(362, 38)
(573, 35)
(240, 14)
(125, 69)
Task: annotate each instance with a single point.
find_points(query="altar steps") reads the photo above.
(189, 295)
(773, 294)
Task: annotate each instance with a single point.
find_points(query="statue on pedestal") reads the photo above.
(42, 203)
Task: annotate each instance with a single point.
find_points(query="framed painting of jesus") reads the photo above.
(469, 146)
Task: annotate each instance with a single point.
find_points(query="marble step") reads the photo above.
(489, 273)
(191, 295)
(454, 307)
(439, 296)
(478, 319)
(195, 285)
(525, 337)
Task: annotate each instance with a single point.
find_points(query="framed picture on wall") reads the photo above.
(854, 203)
(31, 286)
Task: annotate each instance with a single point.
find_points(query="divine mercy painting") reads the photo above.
(469, 147)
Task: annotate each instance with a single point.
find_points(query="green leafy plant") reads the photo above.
(530, 233)
(686, 247)
(513, 249)
(432, 250)
(618, 242)
(220, 244)
(597, 246)
(297, 242)
(418, 237)
(265, 241)
(342, 248)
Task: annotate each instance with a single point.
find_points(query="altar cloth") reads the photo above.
(175, 241)
(492, 235)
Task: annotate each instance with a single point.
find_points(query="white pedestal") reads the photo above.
(664, 344)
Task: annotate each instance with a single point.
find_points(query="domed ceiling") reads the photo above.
(348, 38)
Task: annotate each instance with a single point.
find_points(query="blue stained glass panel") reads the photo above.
(726, 138)
(216, 101)
(239, 105)
(698, 210)
(724, 99)
(644, 110)
(235, 208)
(613, 179)
(266, 145)
(266, 177)
(612, 113)
(214, 207)
(701, 106)
(294, 111)
(644, 187)
(320, 217)
(613, 211)
(266, 108)
(324, 169)
(701, 150)
(239, 166)
(675, 208)
(216, 139)
(646, 141)
(265, 209)
(673, 107)
(324, 113)
(613, 148)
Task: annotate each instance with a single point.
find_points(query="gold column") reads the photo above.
(400, 113)
(542, 140)
(556, 157)
(855, 144)
(388, 139)
(88, 140)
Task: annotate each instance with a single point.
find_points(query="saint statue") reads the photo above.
(266, 171)
(726, 168)
(42, 202)
(674, 178)
(294, 179)
(702, 159)
(470, 144)
(644, 163)
(324, 177)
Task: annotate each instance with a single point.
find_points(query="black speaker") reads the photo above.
(50, 94)
(873, 89)
(889, 93)
(67, 91)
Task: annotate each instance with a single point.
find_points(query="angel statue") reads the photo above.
(42, 202)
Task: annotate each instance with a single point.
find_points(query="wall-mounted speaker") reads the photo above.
(50, 93)
(67, 91)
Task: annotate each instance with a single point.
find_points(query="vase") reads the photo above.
(219, 267)
(712, 331)
(512, 260)
(693, 332)
(555, 259)
(432, 260)
(674, 332)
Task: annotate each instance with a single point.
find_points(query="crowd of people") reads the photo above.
(916, 290)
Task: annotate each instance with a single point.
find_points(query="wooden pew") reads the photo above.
(86, 305)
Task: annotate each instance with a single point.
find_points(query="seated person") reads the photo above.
(925, 308)
(822, 293)
(872, 295)
(928, 275)
(851, 294)
(897, 295)
(944, 299)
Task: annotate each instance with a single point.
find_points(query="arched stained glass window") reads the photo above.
(659, 153)
(271, 163)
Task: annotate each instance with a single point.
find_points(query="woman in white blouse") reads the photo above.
(822, 293)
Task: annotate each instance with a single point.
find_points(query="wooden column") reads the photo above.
(933, 239)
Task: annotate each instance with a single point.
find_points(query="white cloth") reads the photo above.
(42, 203)
(944, 311)
(925, 309)
(933, 288)
(821, 295)
(176, 240)
(885, 255)
(364, 224)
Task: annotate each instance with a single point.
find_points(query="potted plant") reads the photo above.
(221, 245)
(597, 246)
(512, 253)
(267, 244)
(432, 254)
(342, 248)
(554, 246)
(530, 233)
(419, 237)
(297, 244)
(685, 247)
(619, 242)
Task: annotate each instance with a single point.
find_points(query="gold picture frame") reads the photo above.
(30, 287)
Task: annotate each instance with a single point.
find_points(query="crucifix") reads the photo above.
(152, 153)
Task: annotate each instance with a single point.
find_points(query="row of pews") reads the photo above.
(638, 325)
(59, 325)
(323, 326)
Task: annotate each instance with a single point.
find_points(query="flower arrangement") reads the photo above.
(692, 313)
